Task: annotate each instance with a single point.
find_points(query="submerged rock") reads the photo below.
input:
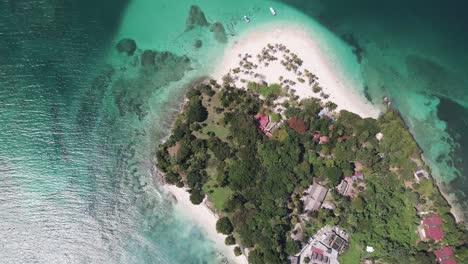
(195, 18)
(219, 32)
(155, 61)
(198, 43)
(127, 46)
(147, 58)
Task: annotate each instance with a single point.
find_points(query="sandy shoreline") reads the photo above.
(204, 218)
(300, 42)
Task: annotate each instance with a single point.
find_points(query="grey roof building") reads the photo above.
(314, 197)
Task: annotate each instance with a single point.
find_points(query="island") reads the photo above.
(294, 177)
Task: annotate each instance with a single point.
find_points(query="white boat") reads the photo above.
(273, 12)
(247, 19)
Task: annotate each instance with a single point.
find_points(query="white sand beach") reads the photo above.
(206, 219)
(300, 42)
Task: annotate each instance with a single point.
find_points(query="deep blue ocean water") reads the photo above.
(79, 125)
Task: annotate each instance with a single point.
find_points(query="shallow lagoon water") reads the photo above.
(80, 122)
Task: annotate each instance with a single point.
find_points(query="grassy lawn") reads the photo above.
(352, 254)
(217, 195)
(265, 90)
(280, 133)
(220, 131)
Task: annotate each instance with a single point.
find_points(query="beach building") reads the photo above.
(264, 124)
(420, 173)
(324, 247)
(445, 255)
(369, 249)
(323, 139)
(316, 135)
(343, 187)
(314, 197)
(430, 228)
(379, 136)
(320, 138)
(346, 187)
(325, 113)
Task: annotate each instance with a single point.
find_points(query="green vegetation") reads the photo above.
(255, 182)
(272, 91)
(353, 254)
(230, 240)
(237, 251)
(275, 117)
(224, 226)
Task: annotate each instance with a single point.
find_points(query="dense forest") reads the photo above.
(254, 180)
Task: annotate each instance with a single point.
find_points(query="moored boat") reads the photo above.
(273, 12)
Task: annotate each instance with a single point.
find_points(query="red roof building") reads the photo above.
(445, 255)
(297, 124)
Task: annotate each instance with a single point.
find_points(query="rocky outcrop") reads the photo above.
(127, 46)
(219, 32)
(195, 18)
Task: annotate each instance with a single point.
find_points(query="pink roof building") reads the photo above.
(448, 261)
(431, 228)
(433, 220)
(263, 121)
(317, 250)
(323, 139)
(435, 233)
(316, 135)
(445, 255)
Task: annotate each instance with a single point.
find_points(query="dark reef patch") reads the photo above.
(127, 46)
(456, 117)
(195, 18)
(92, 100)
(358, 50)
(157, 70)
(218, 32)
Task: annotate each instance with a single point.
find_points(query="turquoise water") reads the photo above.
(80, 122)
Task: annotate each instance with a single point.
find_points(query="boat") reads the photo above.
(247, 19)
(273, 12)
